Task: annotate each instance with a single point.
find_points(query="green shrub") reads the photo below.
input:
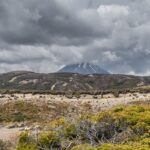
(19, 117)
(77, 95)
(135, 108)
(26, 147)
(26, 142)
(70, 131)
(129, 125)
(146, 141)
(118, 109)
(114, 147)
(115, 93)
(83, 147)
(48, 140)
(140, 128)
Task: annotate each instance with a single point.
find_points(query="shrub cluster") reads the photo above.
(20, 111)
(121, 128)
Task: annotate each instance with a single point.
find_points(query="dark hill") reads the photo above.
(62, 82)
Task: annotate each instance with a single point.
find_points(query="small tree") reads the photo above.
(116, 93)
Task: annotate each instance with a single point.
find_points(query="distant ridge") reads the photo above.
(62, 82)
(83, 68)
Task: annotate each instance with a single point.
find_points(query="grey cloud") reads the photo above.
(43, 23)
(44, 35)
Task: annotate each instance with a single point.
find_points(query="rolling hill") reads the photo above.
(63, 82)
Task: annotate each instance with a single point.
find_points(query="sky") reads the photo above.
(44, 35)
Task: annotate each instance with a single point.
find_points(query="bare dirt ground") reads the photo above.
(107, 101)
(9, 134)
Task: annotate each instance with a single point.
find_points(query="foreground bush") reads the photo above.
(26, 142)
(48, 141)
(83, 147)
(111, 147)
(121, 128)
(45, 141)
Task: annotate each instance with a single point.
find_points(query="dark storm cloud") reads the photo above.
(46, 22)
(44, 35)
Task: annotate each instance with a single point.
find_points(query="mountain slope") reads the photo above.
(83, 68)
(63, 82)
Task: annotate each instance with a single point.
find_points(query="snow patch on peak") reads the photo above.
(83, 68)
(85, 65)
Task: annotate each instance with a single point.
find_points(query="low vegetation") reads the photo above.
(37, 112)
(3, 145)
(20, 111)
(121, 128)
